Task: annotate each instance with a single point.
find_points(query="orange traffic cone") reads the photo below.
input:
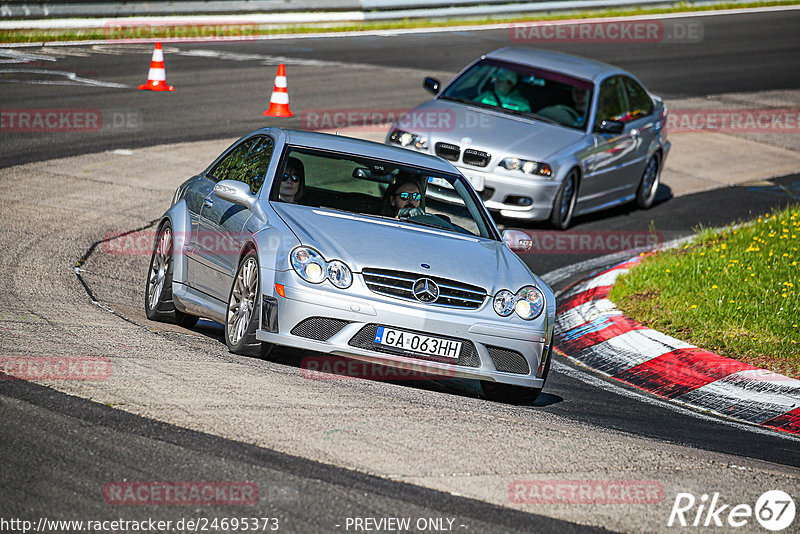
(279, 101)
(157, 77)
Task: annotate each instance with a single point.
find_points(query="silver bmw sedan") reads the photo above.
(544, 136)
(334, 245)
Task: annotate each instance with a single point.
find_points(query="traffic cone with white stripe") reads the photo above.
(279, 101)
(157, 77)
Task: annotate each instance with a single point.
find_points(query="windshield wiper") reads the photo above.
(473, 103)
(429, 225)
(384, 217)
(446, 227)
(527, 115)
(336, 209)
(457, 99)
(476, 103)
(510, 111)
(544, 119)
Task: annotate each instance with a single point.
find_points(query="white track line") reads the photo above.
(72, 78)
(411, 31)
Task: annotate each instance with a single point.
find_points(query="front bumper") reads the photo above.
(501, 192)
(487, 344)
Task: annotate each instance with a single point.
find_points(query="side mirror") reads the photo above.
(517, 241)
(235, 192)
(612, 127)
(432, 85)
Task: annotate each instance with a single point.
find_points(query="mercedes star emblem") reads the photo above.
(426, 290)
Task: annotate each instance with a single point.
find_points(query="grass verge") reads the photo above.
(735, 292)
(245, 31)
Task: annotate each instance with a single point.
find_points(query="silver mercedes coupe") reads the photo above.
(333, 245)
(543, 135)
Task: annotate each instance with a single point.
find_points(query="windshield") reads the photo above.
(521, 90)
(366, 186)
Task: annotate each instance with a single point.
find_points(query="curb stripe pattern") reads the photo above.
(593, 331)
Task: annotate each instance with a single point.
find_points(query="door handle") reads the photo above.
(208, 202)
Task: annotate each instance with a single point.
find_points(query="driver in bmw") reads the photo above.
(580, 97)
(505, 93)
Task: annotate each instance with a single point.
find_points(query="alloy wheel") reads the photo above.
(243, 300)
(159, 267)
(649, 185)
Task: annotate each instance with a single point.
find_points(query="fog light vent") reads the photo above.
(509, 361)
(515, 200)
(319, 328)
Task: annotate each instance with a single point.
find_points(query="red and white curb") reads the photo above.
(591, 330)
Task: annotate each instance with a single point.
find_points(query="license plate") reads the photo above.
(418, 343)
(441, 182)
(478, 182)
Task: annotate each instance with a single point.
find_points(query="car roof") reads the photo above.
(351, 145)
(578, 67)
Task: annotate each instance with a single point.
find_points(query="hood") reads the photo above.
(362, 241)
(499, 133)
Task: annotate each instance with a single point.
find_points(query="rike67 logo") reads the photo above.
(774, 510)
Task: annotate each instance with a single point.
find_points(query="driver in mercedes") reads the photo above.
(403, 198)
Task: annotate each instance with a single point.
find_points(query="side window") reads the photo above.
(253, 169)
(610, 101)
(246, 163)
(226, 169)
(639, 102)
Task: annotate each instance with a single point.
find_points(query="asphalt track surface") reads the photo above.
(224, 96)
(62, 448)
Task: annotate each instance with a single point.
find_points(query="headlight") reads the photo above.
(339, 274)
(309, 264)
(526, 166)
(312, 267)
(504, 302)
(399, 137)
(528, 303)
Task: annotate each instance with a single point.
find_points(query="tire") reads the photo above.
(564, 203)
(158, 303)
(244, 309)
(648, 186)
